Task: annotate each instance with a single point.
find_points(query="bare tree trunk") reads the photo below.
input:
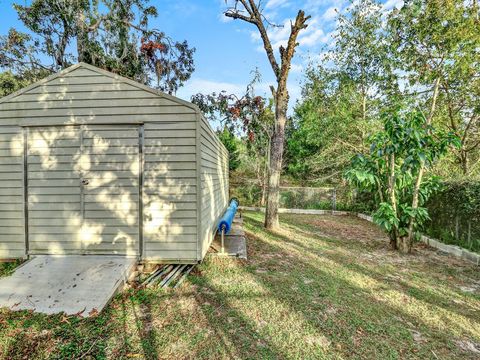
(276, 158)
(81, 36)
(250, 11)
(407, 241)
(265, 174)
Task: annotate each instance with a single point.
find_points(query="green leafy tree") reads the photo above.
(406, 146)
(112, 34)
(231, 143)
(437, 48)
(249, 118)
(341, 97)
(252, 12)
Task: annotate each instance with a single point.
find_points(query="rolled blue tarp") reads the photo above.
(227, 218)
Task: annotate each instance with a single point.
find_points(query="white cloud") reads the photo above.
(276, 4)
(312, 39)
(296, 68)
(331, 13)
(390, 4)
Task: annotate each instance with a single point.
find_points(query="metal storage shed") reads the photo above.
(94, 163)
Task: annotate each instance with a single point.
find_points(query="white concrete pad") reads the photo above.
(80, 285)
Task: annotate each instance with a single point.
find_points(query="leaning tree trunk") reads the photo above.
(276, 160)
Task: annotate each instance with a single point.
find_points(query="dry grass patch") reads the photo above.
(323, 287)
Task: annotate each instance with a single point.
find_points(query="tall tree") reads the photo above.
(341, 97)
(359, 52)
(438, 46)
(251, 12)
(112, 34)
(249, 117)
(437, 43)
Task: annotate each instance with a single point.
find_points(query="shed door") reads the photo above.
(89, 190)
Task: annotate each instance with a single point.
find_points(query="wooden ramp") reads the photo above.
(80, 285)
(235, 242)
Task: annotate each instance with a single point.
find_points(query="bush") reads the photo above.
(455, 214)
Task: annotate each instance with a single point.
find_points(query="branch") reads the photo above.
(287, 54)
(256, 18)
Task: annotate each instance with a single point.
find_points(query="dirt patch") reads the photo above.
(345, 228)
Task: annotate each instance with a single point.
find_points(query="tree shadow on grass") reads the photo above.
(143, 319)
(363, 309)
(447, 302)
(236, 332)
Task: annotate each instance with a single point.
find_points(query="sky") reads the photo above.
(227, 50)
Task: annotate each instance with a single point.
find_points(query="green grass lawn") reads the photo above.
(324, 287)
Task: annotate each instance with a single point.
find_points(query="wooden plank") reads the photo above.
(14, 175)
(51, 175)
(92, 144)
(10, 214)
(10, 130)
(63, 183)
(110, 134)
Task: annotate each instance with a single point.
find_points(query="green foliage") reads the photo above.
(340, 98)
(10, 83)
(455, 214)
(111, 34)
(405, 146)
(440, 40)
(231, 143)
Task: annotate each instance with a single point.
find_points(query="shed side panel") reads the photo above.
(214, 183)
(170, 191)
(12, 229)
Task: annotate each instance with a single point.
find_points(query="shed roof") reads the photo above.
(100, 72)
